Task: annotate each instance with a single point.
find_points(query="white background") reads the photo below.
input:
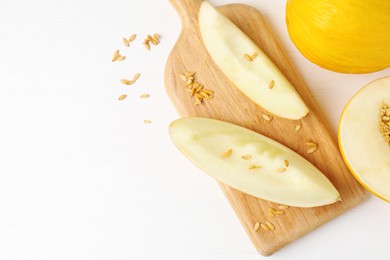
(81, 176)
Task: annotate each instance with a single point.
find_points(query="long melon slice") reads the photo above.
(258, 79)
(252, 163)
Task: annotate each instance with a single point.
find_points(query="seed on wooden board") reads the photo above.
(126, 42)
(286, 163)
(122, 97)
(248, 57)
(189, 82)
(271, 210)
(270, 225)
(210, 92)
(198, 100)
(312, 149)
(144, 96)
(298, 127)
(256, 227)
(271, 214)
(279, 212)
(271, 84)
(132, 37)
(189, 74)
(311, 143)
(204, 94)
(266, 117)
(195, 88)
(265, 227)
(281, 169)
(199, 88)
(282, 207)
(198, 95)
(246, 157)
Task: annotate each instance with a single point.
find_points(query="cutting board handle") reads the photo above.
(188, 11)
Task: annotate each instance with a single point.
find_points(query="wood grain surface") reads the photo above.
(230, 105)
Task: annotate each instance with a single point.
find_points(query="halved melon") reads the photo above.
(252, 163)
(364, 137)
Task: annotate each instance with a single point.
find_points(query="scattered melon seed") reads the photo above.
(195, 88)
(271, 210)
(127, 82)
(126, 42)
(281, 169)
(183, 77)
(283, 207)
(147, 45)
(271, 214)
(248, 57)
(312, 149)
(265, 227)
(256, 227)
(121, 58)
(115, 56)
(311, 143)
(136, 77)
(122, 97)
(279, 212)
(144, 96)
(270, 225)
(298, 127)
(271, 84)
(246, 157)
(267, 118)
(147, 121)
(132, 37)
(286, 163)
(189, 74)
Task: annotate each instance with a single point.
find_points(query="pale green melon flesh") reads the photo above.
(361, 141)
(227, 44)
(204, 141)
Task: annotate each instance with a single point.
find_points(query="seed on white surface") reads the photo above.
(126, 42)
(122, 97)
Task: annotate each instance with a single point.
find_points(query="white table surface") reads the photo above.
(81, 175)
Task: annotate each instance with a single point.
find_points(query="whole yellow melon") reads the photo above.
(348, 36)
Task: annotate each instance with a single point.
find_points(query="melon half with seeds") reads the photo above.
(364, 137)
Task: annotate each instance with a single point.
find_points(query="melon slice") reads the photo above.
(227, 45)
(364, 137)
(252, 163)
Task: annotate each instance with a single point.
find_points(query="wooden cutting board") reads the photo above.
(230, 105)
